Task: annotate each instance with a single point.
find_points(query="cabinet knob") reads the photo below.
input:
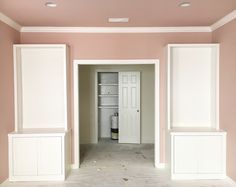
(137, 110)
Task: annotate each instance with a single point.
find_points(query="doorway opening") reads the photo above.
(106, 66)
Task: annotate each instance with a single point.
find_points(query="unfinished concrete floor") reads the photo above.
(109, 164)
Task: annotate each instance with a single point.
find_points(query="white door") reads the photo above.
(129, 107)
(210, 154)
(25, 152)
(50, 156)
(185, 154)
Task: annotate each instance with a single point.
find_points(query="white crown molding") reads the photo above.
(115, 29)
(9, 22)
(228, 18)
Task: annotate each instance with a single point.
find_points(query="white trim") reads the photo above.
(230, 181)
(76, 115)
(73, 166)
(157, 115)
(9, 22)
(116, 62)
(76, 64)
(116, 29)
(226, 19)
(161, 166)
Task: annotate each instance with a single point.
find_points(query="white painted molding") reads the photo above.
(161, 166)
(9, 22)
(229, 17)
(74, 166)
(116, 62)
(115, 29)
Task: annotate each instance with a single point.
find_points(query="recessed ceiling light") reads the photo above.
(185, 4)
(118, 20)
(51, 4)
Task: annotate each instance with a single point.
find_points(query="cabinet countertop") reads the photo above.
(38, 132)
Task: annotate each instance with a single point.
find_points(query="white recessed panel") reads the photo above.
(185, 154)
(191, 87)
(43, 87)
(125, 97)
(134, 97)
(211, 154)
(133, 79)
(24, 155)
(50, 156)
(124, 79)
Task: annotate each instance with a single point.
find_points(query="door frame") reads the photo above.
(75, 112)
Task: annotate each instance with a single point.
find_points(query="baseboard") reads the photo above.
(4, 182)
(88, 141)
(231, 181)
(160, 166)
(74, 166)
(196, 176)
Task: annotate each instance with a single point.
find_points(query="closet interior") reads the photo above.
(108, 96)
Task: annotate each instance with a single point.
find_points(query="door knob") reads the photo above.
(137, 110)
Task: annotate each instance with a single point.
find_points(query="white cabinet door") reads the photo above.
(50, 156)
(184, 154)
(210, 154)
(24, 155)
(129, 107)
(198, 156)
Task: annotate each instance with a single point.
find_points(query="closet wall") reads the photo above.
(87, 100)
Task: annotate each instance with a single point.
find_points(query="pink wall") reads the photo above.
(122, 46)
(8, 37)
(227, 39)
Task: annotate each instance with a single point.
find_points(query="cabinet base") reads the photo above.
(197, 176)
(37, 178)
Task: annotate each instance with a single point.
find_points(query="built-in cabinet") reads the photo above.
(42, 134)
(195, 144)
